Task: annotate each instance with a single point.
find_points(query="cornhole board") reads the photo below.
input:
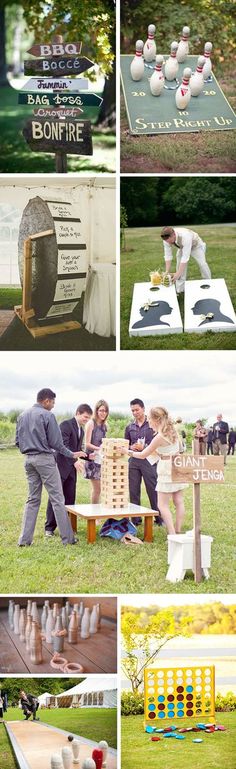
(33, 744)
(183, 692)
(147, 114)
(164, 318)
(208, 296)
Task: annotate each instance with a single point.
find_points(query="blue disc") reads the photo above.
(189, 688)
(161, 698)
(180, 713)
(151, 707)
(171, 713)
(149, 729)
(180, 705)
(171, 705)
(161, 714)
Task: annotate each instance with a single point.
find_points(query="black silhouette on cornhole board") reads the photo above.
(204, 306)
(152, 316)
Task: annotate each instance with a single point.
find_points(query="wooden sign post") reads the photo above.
(62, 128)
(197, 469)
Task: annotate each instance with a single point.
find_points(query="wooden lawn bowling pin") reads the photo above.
(196, 82)
(16, 619)
(22, 624)
(44, 618)
(183, 93)
(68, 608)
(88, 763)
(137, 64)
(157, 80)
(35, 644)
(183, 47)
(58, 636)
(56, 761)
(104, 747)
(75, 750)
(55, 611)
(66, 754)
(171, 65)
(150, 49)
(64, 617)
(49, 627)
(207, 69)
(34, 613)
(73, 629)
(28, 632)
(85, 624)
(29, 607)
(93, 621)
(97, 756)
(11, 614)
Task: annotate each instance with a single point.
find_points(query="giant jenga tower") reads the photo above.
(114, 474)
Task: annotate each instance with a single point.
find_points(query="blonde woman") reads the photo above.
(166, 444)
(95, 432)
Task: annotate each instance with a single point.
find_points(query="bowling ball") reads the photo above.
(70, 737)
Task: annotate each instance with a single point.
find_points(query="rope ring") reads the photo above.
(72, 667)
(57, 662)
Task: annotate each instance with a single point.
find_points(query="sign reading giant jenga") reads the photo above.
(114, 473)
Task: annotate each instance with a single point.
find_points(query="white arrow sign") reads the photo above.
(56, 84)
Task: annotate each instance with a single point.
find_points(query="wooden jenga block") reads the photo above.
(114, 473)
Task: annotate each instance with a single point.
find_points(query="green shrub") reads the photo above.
(7, 432)
(225, 703)
(132, 703)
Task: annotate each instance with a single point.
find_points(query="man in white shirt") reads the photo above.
(188, 244)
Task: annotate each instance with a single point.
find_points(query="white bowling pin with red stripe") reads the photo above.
(207, 69)
(183, 47)
(171, 65)
(150, 48)
(157, 80)
(197, 80)
(183, 93)
(137, 64)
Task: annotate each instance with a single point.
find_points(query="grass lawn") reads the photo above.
(92, 723)
(216, 750)
(17, 157)
(6, 752)
(9, 297)
(107, 566)
(207, 152)
(145, 253)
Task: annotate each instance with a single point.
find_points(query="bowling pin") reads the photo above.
(183, 93)
(22, 624)
(137, 64)
(157, 80)
(28, 632)
(16, 618)
(150, 48)
(171, 65)
(183, 47)
(196, 82)
(75, 750)
(11, 614)
(66, 754)
(93, 621)
(85, 624)
(56, 761)
(88, 763)
(207, 69)
(104, 747)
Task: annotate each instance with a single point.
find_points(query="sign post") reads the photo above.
(197, 469)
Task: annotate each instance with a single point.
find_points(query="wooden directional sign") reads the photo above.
(187, 468)
(59, 99)
(57, 66)
(55, 49)
(55, 112)
(51, 84)
(70, 136)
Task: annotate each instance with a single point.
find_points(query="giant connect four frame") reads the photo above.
(183, 692)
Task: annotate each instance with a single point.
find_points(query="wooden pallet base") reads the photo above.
(41, 331)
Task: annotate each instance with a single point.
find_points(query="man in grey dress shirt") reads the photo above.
(39, 437)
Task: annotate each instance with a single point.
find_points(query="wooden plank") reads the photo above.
(55, 49)
(52, 84)
(27, 278)
(59, 99)
(57, 67)
(10, 658)
(36, 742)
(58, 112)
(189, 468)
(73, 136)
(55, 328)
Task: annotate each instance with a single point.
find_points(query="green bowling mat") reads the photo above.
(149, 114)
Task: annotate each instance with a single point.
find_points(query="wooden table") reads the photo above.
(34, 743)
(96, 654)
(92, 513)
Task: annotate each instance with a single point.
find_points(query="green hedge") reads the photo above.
(132, 704)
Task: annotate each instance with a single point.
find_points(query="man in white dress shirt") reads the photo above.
(188, 244)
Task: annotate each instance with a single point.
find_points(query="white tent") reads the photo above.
(92, 692)
(43, 699)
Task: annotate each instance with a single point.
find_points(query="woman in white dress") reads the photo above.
(166, 444)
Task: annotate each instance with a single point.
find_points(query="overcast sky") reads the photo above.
(190, 384)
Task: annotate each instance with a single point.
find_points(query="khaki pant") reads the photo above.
(198, 252)
(220, 448)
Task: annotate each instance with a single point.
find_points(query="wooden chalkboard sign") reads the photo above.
(54, 84)
(58, 66)
(55, 49)
(189, 468)
(60, 99)
(70, 136)
(59, 262)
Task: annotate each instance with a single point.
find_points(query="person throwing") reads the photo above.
(188, 244)
(166, 445)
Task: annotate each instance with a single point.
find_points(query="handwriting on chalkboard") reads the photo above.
(71, 261)
(63, 210)
(69, 289)
(68, 232)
